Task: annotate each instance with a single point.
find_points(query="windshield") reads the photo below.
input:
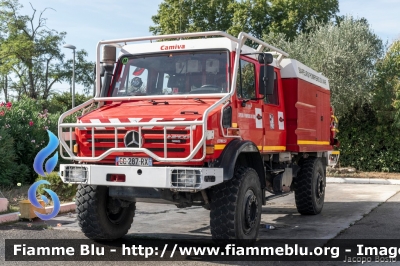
(172, 73)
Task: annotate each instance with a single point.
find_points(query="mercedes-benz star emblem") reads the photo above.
(131, 139)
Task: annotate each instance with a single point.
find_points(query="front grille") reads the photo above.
(168, 141)
(151, 149)
(177, 140)
(169, 131)
(120, 140)
(168, 149)
(144, 131)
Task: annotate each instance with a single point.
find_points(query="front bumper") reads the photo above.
(174, 178)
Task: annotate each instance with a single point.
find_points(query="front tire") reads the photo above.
(310, 186)
(100, 216)
(236, 206)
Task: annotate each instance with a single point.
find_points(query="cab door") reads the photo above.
(249, 112)
(274, 118)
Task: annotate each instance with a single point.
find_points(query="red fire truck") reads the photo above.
(197, 119)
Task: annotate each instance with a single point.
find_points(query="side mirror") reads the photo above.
(266, 81)
(265, 58)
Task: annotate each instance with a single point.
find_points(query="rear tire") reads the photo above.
(310, 186)
(100, 216)
(236, 206)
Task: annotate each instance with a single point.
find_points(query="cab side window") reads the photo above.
(245, 86)
(274, 98)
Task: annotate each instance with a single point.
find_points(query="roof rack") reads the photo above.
(171, 36)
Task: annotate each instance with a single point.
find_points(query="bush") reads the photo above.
(11, 172)
(61, 102)
(368, 142)
(26, 122)
(65, 192)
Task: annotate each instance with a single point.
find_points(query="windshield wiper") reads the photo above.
(199, 100)
(155, 103)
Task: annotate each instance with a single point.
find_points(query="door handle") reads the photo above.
(259, 116)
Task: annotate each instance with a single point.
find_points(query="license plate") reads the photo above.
(135, 161)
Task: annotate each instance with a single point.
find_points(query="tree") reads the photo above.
(61, 102)
(31, 52)
(179, 16)
(258, 17)
(84, 71)
(250, 16)
(30, 48)
(345, 53)
(291, 16)
(366, 132)
(387, 87)
(288, 17)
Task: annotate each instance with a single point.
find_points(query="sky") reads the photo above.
(89, 21)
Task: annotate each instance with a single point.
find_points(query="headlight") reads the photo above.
(186, 178)
(76, 174)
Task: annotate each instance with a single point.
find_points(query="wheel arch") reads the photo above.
(322, 155)
(244, 153)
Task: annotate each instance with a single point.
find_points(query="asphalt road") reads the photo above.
(351, 211)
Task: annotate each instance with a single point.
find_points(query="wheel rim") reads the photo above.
(320, 188)
(115, 212)
(250, 211)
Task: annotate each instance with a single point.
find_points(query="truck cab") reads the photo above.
(197, 119)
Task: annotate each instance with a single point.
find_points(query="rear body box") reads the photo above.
(307, 106)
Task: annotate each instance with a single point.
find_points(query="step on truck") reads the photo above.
(197, 119)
